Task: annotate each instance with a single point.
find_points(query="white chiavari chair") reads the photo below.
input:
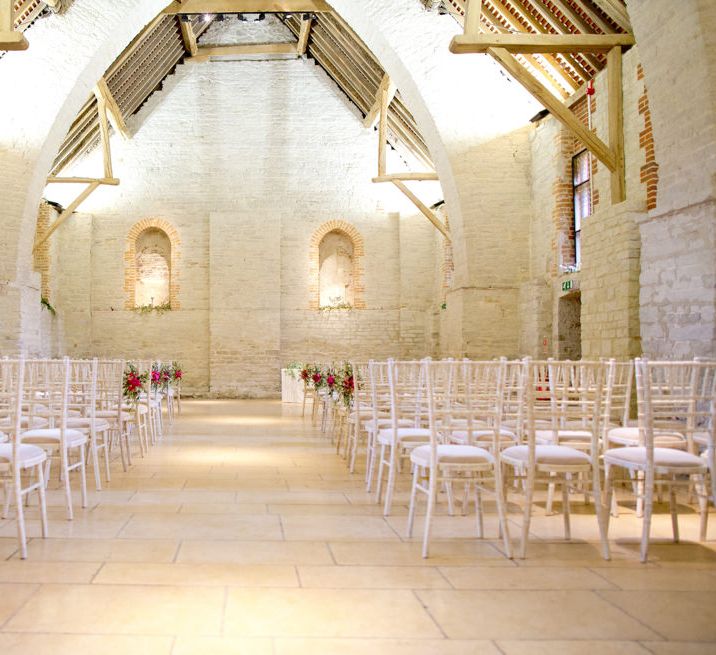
(544, 463)
(681, 395)
(83, 398)
(47, 386)
(468, 394)
(393, 443)
(361, 411)
(111, 407)
(380, 417)
(17, 458)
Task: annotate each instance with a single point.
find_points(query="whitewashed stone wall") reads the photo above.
(247, 159)
(678, 281)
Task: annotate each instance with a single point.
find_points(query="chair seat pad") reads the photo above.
(53, 435)
(29, 455)
(452, 454)
(26, 422)
(548, 436)
(629, 436)
(546, 454)
(112, 414)
(702, 438)
(482, 435)
(85, 423)
(387, 422)
(663, 458)
(388, 437)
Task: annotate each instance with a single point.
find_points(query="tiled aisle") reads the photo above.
(243, 533)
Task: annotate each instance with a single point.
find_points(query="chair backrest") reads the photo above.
(12, 382)
(110, 374)
(465, 396)
(46, 394)
(570, 397)
(675, 397)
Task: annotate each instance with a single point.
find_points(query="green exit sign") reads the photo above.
(567, 285)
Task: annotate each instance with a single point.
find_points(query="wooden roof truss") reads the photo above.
(595, 48)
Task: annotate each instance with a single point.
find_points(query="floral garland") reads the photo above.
(133, 383)
(176, 373)
(337, 380)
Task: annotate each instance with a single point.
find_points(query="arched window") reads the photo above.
(336, 266)
(153, 260)
(151, 266)
(335, 270)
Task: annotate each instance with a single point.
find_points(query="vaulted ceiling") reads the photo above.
(153, 55)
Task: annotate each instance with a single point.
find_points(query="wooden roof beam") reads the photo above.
(616, 11)
(595, 145)
(540, 43)
(247, 6)
(204, 53)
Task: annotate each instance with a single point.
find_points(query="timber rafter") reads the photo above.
(503, 48)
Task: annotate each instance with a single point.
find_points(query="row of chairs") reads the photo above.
(72, 412)
(499, 426)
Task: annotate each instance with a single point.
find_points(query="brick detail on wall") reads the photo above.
(314, 265)
(41, 256)
(649, 172)
(130, 259)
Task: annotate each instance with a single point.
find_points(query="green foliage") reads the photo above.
(46, 305)
(148, 309)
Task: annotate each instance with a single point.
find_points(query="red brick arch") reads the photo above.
(313, 261)
(130, 259)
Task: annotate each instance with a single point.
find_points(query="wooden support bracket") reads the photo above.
(304, 35)
(114, 113)
(92, 183)
(425, 210)
(204, 53)
(189, 38)
(373, 114)
(540, 43)
(9, 38)
(407, 177)
(93, 186)
(246, 6)
(595, 145)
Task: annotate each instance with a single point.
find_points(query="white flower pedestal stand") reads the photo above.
(291, 388)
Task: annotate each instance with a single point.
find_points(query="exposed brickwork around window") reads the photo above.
(314, 264)
(650, 170)
(130, 260)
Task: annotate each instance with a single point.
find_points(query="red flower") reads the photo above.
(331, 380)
(178, 374)
(304, 374)
(317, 377)
(156, 376)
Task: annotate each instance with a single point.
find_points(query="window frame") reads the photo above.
(577, 187)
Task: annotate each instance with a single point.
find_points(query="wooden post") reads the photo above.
(303, 36)
(104, 135)
(382, 131)
(473, 11)
(616, 123)
(189, 38)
